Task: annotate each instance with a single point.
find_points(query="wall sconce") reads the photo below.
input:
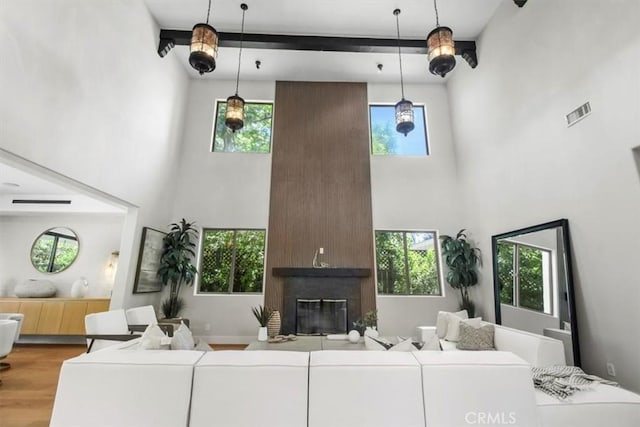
(204, 46)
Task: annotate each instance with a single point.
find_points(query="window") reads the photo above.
(385, 140)
(254, 137)
(407, 263)
(524, 276)
(232, 261)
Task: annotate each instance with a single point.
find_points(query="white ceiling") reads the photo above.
(20, 184)
(363, 18)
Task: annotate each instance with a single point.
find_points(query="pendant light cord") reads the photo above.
(435, 6)
(240, 53)
(208, 12)
(399, 54)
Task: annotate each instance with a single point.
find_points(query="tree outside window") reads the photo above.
(254, 137)
(232, 261)
(407, 263)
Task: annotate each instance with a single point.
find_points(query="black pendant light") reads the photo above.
(440, 48)
(404, 107)
(204, 46)
(234, 117)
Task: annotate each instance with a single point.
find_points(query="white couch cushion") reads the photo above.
(484, 388)
(250, 388)
(536, 349)
(372, 388)
(125, 388)
(442, 321)
(605, 405)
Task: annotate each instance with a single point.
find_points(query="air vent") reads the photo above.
(41, 202)
(578, 114)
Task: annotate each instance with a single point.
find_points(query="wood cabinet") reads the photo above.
(53, 316)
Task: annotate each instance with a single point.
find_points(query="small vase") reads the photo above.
(262, 333)
(273, 326)
(354, 336)
(371, 332)
(79, 288)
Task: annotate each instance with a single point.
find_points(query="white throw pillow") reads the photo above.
(453, 329)
(442, 321)
(182, 339)
(380, 344)
(152, 338)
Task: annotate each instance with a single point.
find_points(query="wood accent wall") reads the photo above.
(320, 183)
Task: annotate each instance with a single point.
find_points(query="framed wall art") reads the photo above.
(147, 279)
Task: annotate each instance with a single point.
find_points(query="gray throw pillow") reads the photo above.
(476, 338)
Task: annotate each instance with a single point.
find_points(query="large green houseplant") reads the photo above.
(462, 260)
(176, 266)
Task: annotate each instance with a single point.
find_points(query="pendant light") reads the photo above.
(404, 107)
(234, 117)
(440, 48)
(204, 46)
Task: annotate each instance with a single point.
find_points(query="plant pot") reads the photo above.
(262, 334)
(371, 331)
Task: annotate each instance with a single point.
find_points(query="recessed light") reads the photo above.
(11, 184)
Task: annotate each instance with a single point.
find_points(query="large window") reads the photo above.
(407, 263)
(254, 137)
(524, 276)
(385, 140)
(231, 261)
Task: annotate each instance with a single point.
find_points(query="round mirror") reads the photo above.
(54, 250)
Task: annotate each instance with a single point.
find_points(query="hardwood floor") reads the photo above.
(28, 388)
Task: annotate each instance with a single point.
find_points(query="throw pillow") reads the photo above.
(152, 338)
(476, 338)
(453, 329)
(380, 344)
(443, 320)
(182, 339)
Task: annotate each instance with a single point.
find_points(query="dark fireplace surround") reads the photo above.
(320, 283)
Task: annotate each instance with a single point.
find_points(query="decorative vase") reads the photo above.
(273, 326)
(371, 331)
(262, 333)
(354, 336)
(79, 288)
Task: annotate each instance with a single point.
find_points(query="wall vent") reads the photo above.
(41, 202)
(578, 114)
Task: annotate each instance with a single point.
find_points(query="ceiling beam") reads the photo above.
(171, 38)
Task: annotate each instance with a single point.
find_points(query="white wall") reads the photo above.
(85, 94)
(520, 165)
(98, 236)
(227, 190)
(416, 193)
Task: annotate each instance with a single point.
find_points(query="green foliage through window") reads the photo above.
(524, 276)
(407, 263)
(232, 261)
(53, 251)
(385, 140)
(254, 137)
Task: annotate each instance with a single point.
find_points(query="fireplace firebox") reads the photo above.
(321, 316)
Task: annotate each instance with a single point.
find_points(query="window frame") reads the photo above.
(198, 283)
(215, 128)
(426, 131)
(438, 258)
(516, 278)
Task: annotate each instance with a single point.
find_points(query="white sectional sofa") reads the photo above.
(124, 387)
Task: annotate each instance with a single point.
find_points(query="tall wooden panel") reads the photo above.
(320, 182)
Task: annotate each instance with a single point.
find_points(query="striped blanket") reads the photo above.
(562, 381)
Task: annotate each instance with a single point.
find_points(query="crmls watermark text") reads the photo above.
(490, 418)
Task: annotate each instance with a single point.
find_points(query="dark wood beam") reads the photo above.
(171, 38)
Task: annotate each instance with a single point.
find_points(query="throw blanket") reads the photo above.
(562, 381)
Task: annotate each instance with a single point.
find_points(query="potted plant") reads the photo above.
(462, 260)
(263, 315)
(371, 323)
(176, 268)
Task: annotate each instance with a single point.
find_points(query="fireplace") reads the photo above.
(321, 316)
(329, 299)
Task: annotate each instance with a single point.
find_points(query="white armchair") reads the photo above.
(18, 317)
(106, 328)
(7, 336)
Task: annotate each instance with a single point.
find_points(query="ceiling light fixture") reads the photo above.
(234, 117)
(440, 48)
(204, 46)
(404, 107)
